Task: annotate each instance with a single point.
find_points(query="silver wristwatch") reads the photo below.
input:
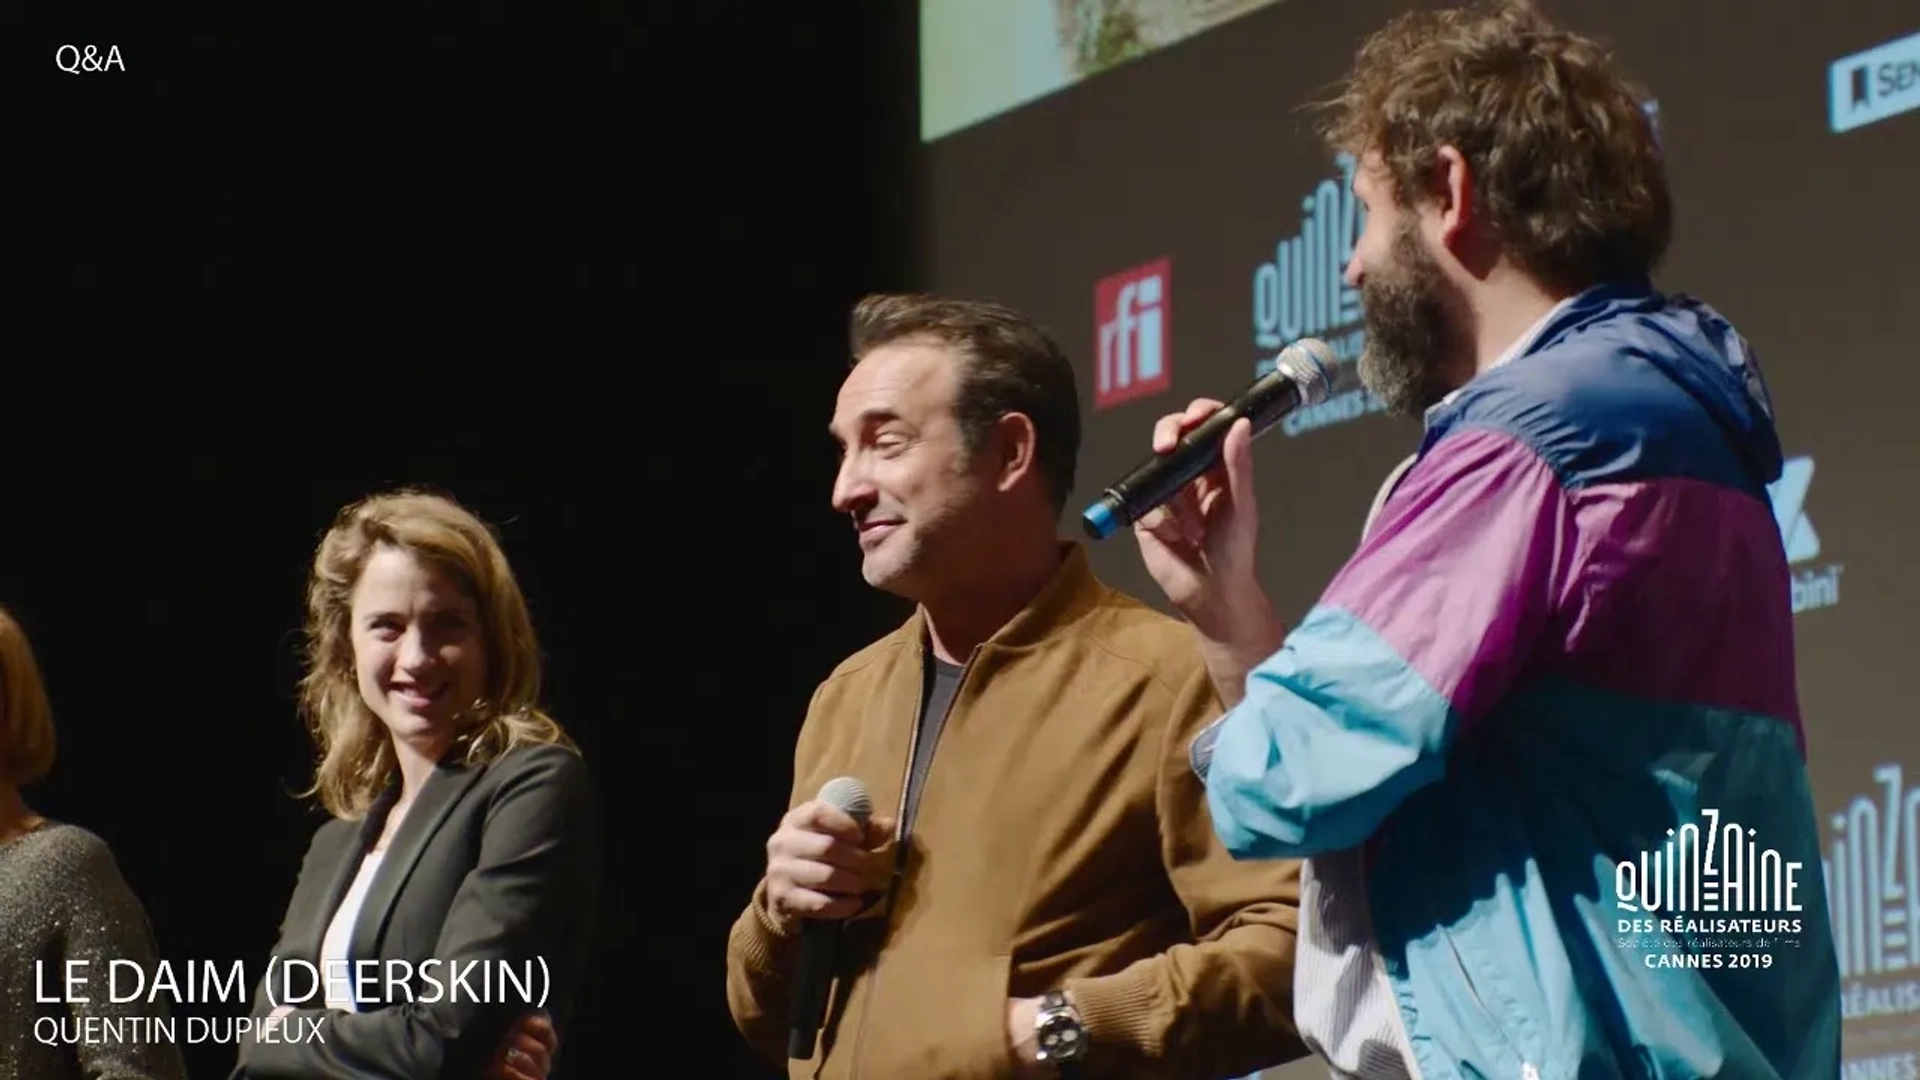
(1058, 1030)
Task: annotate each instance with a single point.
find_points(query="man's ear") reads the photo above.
(1015, 447)
(1450, 188)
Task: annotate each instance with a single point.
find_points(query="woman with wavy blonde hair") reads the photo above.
(463, 833)
(63, 901)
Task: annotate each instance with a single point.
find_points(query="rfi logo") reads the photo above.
(1133, 325)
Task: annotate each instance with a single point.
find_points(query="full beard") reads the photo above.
(1411, 330)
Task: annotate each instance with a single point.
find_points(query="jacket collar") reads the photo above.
(1571, 315)
(1072, 592)
(437, 798)
(435, 801)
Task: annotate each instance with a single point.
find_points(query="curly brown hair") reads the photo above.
(1563, 153)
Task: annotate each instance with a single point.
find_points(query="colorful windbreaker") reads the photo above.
(1566, 638)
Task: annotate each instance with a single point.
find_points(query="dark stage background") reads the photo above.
(586, 267)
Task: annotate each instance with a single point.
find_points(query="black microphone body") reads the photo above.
(819, 943)
(1301, 375)
(820, 939)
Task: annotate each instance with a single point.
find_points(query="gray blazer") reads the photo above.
(498, 864)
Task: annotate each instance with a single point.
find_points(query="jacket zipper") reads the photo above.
(901, 829)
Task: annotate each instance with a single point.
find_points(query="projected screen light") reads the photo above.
(1793, 145)
(979, 58)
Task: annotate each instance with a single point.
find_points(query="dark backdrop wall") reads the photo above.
(587, 270)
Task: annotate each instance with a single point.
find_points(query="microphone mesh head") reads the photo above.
(849, 795)
(1310, 363)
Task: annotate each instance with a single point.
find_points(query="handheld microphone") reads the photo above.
(1302, 375)
(818, 939)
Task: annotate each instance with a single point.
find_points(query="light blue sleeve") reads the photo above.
(1335, 731)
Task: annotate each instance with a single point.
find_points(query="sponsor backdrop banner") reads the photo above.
(1155, 151)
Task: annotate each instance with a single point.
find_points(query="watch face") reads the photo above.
(1060, 1038)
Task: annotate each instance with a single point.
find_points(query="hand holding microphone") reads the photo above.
(825, 863)
(1302, 375)
(827, 858)
(1192, 503)
(1205, 532)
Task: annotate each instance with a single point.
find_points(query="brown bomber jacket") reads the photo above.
(1061, 841)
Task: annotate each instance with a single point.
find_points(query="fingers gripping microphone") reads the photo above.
(818, 938)
(1302, 375)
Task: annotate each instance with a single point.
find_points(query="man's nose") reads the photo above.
(851, 487)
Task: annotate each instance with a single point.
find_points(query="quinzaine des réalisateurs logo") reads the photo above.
(1302, 292)
(1709, 898)
(1873, 890)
